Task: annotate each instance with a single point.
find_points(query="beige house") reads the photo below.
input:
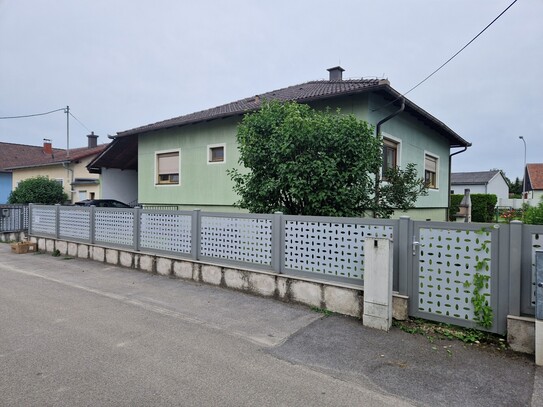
(68, 167)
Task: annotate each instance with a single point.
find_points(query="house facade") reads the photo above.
(184, 161)
(69, 168)
(480, 182)
(534, 182)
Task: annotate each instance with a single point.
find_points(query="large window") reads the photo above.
(430, 171)
(167, 168)
(390, 155)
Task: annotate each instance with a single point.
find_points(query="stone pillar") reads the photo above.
(464, 209)
(539, 308)
(378, 283)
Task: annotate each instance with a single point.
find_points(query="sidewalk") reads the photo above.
(442, 373)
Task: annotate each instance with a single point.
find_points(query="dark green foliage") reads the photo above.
(533, 215)
(305, 162)
(516, 187)
(39, 190)
(482, 207)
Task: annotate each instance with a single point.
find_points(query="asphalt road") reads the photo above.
(81, 333)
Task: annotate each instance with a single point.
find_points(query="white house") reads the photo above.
(481, 182)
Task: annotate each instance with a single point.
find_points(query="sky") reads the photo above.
(120, 64)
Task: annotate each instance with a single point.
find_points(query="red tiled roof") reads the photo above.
(535, 176)
(14, 156)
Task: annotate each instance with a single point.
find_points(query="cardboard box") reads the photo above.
(24, 247)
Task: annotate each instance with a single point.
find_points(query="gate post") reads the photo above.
(378, 264)
(539, 308)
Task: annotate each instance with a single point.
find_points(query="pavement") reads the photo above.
(285, 353)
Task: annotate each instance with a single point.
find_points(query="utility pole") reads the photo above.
(67, 111)
(524, 171)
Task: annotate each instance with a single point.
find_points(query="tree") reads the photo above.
(301, 161)
(40, 190)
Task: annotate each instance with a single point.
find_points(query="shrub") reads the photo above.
(482, 207)
(533, 215)
(39, 190)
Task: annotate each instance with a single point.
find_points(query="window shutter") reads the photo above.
(168, 163)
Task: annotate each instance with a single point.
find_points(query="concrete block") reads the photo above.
(163, 266)
(112, 256)
(521, 334)
(262, 284)
(211, 274)
(400, 307)
(375, 322)
(98, 253)
(33, 239)
(376, 310)
(41, 244)
(342, 300)
(146, 263)
(62, 247)
(306, 293)
(72, 249)
(126, 259)
(83, 251)
(183, 269)
(236, 279)
(49, 245)
(539, 342)
(282, 288)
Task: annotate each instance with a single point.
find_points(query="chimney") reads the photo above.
(47, 146)
(92, 140)
(336, 73)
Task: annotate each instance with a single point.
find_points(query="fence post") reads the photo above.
(57, 225)
(22, 218)
(30, 219)
(515, 262)
(277, 245)
(92, 224)
(137, 220)
(404, 254)
(195, 234)
(539, 308)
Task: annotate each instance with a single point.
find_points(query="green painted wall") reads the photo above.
(207, 186)
(201, 184)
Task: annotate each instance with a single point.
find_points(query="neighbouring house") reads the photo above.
(11, 155)
(533, 175)
(68, 167)
(480, 182)
(184, 160)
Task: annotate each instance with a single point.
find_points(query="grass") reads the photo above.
(324, 311)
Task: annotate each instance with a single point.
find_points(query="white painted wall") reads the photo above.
(498, 187)
(473, 189)
(118, 184)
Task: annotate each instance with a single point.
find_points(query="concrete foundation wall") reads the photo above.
(335, 297)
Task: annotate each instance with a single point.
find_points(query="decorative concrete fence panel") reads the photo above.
(166, 231)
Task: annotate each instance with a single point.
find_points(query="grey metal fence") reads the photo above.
(13, 218)
(434, 262)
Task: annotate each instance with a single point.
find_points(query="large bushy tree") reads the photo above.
(39, 190)
(301, 161)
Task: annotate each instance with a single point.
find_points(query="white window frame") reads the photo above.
(208, 155)
(398, 143)
(438, 161)
(161, 152)
(60, 181)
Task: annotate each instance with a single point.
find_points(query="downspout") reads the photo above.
(450, 166)
(378, 134)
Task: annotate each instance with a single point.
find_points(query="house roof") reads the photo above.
(37, 158)
(13, 155)
(534, 179)
(473, 178)
(120, 153)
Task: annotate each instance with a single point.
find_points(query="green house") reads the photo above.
(183, 161)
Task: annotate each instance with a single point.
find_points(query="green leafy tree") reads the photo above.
(533, 215)
(515, 188)
(39, 190)
(301, 161)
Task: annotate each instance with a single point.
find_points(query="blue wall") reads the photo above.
(5, 186)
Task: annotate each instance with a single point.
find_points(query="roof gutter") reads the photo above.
(378, 135)
(450, 166)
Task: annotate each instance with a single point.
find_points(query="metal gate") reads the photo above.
(448, 259)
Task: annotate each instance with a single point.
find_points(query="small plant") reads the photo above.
(324, 311)
(56, 253)
(483, 313)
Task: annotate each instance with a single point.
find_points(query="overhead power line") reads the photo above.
(33, 115)
(79, 121)
(451, 58)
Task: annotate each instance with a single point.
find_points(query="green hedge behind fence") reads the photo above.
(482, 207)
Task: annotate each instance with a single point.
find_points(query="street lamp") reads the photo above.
(524, 170)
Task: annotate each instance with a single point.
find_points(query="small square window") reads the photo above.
(215, 154)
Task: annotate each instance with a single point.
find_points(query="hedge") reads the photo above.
(482, 207)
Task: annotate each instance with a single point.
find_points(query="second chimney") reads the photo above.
(47, 146)
(93, 142)
(336, 73)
